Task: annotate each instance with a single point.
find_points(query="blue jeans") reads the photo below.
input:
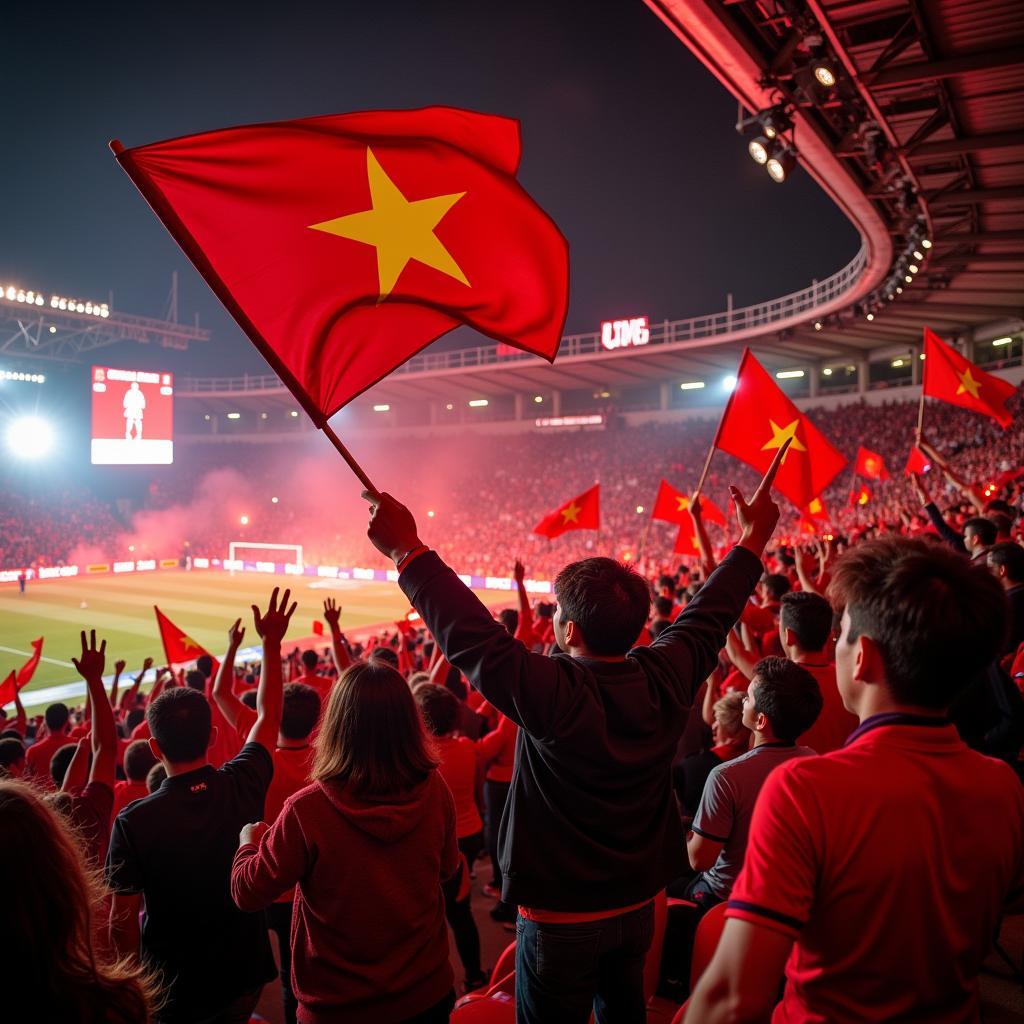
(564, 970)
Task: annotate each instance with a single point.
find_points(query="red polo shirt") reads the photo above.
(888, 862)
(39, 755)
(835, 723)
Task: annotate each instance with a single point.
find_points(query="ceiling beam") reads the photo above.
(934, 70)
(975, 196)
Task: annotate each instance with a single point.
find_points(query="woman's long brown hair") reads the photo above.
(54, 903)
(371, 737)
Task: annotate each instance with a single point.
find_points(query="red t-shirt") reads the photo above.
(125, 793)
(322, 685)
(888, 862)
(38, 757)
(835, 723)
(458, 769)
(141, 731)
(498, 749)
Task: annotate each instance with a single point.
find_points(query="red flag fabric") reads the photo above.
(870, 465)
(686, 538)
(318, 628)
(671, 506)
(815, 509)
(179, 647)
(710, 512)
(28, 670)
(860, 496)
(917, 461)
(343, 245)
(579, 513)
(952, 378)
(759, 418)
(8, 688)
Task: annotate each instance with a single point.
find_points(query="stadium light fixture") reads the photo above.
(244, 520)
(639, 510)
(913, 268)
(761, 148)
(274, 500)
(449, 406)
(817, 325)
(789, 374)
(918, 255)
(908, 279)
(824, 74)
(430, 513)
(827, 371)
(294, 414)
(926, 243)
(780, 165)
(234, 415)
(29, 437)
(53, 330)
(383, 407)
(264, 415)
(897, 363)
(1001, 341)
(538, 399)
(691, 385)
(870, 317)
(729, 382)
(478, 403)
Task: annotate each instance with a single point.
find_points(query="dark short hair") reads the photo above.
(385, 654)
(138, 759)
(657, 627)
(1001, 521)
(249, 699)
(371, 737)
(60, 761)
(439, 708)
(788, 696)
(11, 752)
(984, 529)
(179, 720)
(155, 777)
(56, 716)
(1001, 506)
(509, 618)
(663, 606)
(776, 584)
(204, 663)
(607, 600)
(936, 618)
(310, 659)
(10, 734)
(809, 616)
(1011, 555)
(134, 717)
(195, 680)
(666, 582)
(299, 712)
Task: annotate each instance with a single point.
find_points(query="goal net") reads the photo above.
(264, 555)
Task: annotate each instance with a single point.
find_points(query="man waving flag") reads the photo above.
(345, 244)
(756, 423)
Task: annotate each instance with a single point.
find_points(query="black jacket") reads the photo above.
(590, 823)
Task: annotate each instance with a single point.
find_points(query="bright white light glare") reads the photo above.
(538, 399)
(728, 382)
(244, 520)
(639, 510)
(908, 279)
(899, 289)
(870, 316)
(918, 255)
(926, 243)
(382, 408)
(691, 385)
(789, 374)
(757, 149)
(827, 371)
(53, 330)
(294, 414)
(274, 501)
(825, 75)
(449, 406)
(897, 363)
(234, 415)
(478, 403)
(430, 513)
(913, 268)
(776, 170)
(29, 437)
(28, 378)
(1002, 341)
(817, 325)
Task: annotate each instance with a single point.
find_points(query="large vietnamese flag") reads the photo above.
(952, 378)
(179, 647)
(759, 419)
(671, 506)
(580, 513)
(345, 244)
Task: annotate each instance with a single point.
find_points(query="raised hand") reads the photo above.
(90, 664)
(273, 623)
(235, 634)
(758, 519)
(519, 572)
(392, 528)
(147, 665)
(119, 666)
(332, 613)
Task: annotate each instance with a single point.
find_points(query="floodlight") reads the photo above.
(29, 437)
(761, 148)
(780, 166)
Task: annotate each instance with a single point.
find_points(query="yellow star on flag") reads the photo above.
(780, 435)
(968, 384)
(683, 503)
(400, 230)
(187, 641)
(815, 505)
(571, 513)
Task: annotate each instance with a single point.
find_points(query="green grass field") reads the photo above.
(203, 603)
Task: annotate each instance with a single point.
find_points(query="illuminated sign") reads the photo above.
(625, 333)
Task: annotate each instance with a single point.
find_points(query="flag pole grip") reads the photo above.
(348, 457)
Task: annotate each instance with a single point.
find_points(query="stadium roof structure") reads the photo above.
(909, 114)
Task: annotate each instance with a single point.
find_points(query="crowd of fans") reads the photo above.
(496, 489)
(823, 749)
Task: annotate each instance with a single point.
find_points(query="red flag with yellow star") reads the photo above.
(686, 538)
(815, 509)
(870, 465)
(860, 496)
(758, 420)
(343, 245)
(179, 647)
(580, 513)
(917, 461)
(951, 378)
(671, 506)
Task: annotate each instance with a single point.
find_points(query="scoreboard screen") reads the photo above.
(132, 417)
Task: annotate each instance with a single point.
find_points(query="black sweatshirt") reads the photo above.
(591, 822)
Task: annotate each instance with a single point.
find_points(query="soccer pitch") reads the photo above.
(204, 603)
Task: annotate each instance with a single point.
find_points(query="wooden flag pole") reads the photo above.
(348, 457)
(920, 414)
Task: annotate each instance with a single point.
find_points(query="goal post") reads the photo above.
(261, 551)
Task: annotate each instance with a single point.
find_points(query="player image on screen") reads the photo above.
(134, 407)
(132, 417)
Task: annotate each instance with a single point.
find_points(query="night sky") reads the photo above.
(628, 143)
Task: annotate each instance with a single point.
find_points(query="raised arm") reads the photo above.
(129, 695)
(271, 626)
(77, 773)
(524, 630)
(945, 531)
(104, 732)
(805, 563)
(962, 485)
(119, 667)
(224, 697)
(339, 648)
(743, 658)
(707, 558)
